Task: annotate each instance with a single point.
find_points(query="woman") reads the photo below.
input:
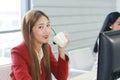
(112, 22)
(33, 59)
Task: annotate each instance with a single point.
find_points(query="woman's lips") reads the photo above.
(46, 36)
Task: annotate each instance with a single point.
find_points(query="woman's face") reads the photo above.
(116, 25)
(41, 30)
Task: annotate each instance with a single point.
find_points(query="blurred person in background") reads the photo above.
(112, 22)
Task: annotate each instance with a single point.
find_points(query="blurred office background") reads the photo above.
(82, 19)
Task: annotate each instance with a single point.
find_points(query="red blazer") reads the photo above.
(21, 68)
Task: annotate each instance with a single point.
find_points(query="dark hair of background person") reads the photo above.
(110, 19)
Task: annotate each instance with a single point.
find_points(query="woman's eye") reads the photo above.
(48, 25)
(40, 27)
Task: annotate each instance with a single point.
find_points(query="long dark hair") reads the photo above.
(109, 20)
(28, 23)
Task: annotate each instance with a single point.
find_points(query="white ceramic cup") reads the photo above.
(60, 39)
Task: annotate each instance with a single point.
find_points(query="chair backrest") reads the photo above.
(82, 59)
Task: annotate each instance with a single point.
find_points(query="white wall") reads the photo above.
(118, 5)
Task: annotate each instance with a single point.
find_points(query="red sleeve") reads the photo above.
(20, 69)
(59, 68)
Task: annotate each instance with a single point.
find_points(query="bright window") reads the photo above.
(10, 24)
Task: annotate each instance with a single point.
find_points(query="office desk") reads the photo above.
(86, 76)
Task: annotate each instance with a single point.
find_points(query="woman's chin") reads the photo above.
(45, 42)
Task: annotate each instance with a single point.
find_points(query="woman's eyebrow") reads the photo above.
(43, 23)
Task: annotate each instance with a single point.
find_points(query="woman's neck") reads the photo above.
(38, 47)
